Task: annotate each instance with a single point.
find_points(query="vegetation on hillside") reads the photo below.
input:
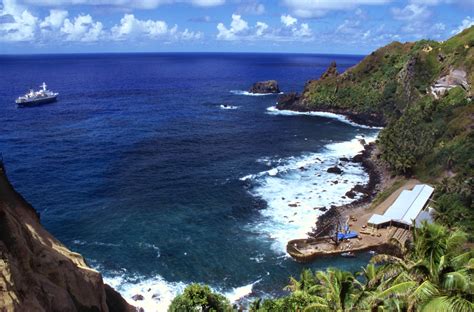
(425, 136)
(434, 273)
(198, 297)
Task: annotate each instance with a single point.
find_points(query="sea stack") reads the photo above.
(265, 87)
(39, 273)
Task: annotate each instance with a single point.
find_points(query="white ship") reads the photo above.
(43, 96)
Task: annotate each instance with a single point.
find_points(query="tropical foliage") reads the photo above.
(434, 274)
(199, 298)
(427, 137)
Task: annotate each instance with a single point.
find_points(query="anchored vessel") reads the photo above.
(43, 96)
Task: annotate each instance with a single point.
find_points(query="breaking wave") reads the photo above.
(298, 189)
(272, 110)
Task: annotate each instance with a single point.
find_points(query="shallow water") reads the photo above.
(162, 171)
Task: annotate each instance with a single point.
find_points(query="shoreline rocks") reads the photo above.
(265, 87)
(296, 102)
(325, 223)
(335, 170)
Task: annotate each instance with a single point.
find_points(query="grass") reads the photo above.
(383, 195)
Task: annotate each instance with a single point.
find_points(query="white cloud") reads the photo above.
(312, 8)
(411, 12)
(251, 7)
(240, 30)
(288, 20)
(349, 26)
(133, 4)
(19, 24)
(131, 27)
(83, 28)
(438, 27)
(466, 23)
(55, 19)
(261, 28)
(237, 27)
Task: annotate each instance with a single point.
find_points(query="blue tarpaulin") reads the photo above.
(347, 235)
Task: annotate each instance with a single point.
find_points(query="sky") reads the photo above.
(278, 26)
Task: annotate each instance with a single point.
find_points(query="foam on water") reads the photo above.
(240, 292)
(299, 186)
(222, 106)
(243, 92)
(275, 111)
(158, 294)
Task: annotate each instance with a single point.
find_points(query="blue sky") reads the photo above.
(303, 26)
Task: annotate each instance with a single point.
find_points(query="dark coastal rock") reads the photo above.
(358, 158)
(335, 170)
(331, 71)
(325, 225)
(360, 189)
(289, 101)
(351, 194)
(138, 297)
(323, 209)
(262, 87)
(344, 159)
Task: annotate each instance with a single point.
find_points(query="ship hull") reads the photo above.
(37, 102)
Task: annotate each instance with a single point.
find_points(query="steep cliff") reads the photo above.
(421, 92)
(37, 272)
(391, 79)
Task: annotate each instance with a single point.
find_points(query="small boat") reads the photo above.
(348, 254)
(43, 96)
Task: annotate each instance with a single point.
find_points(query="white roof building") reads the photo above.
(406, 208)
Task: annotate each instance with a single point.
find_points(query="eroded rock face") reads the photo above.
(263, 87)
(455, 78)
(37, 272)
(331, 71)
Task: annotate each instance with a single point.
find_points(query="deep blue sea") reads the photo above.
(161, 171)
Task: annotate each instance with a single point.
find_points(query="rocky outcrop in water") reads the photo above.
(335, 170)
(264, 87)
(37, 272)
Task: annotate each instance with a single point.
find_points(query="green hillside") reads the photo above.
(427, 134)
(394, 76)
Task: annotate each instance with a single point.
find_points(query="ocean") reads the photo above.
(161, 170)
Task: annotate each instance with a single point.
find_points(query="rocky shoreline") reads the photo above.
(326, 223)
(293, 102)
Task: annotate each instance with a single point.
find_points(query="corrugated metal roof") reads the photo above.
(407, 206)
(378, 219)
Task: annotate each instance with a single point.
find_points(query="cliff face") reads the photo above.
(385, 83)
(421, 92)
(37, 272)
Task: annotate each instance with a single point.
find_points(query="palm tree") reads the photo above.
(305, 282)
(435, 275)
(334, 290)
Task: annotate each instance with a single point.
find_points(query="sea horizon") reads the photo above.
(232, 166)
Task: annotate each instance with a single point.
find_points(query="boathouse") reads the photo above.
(410, 206)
